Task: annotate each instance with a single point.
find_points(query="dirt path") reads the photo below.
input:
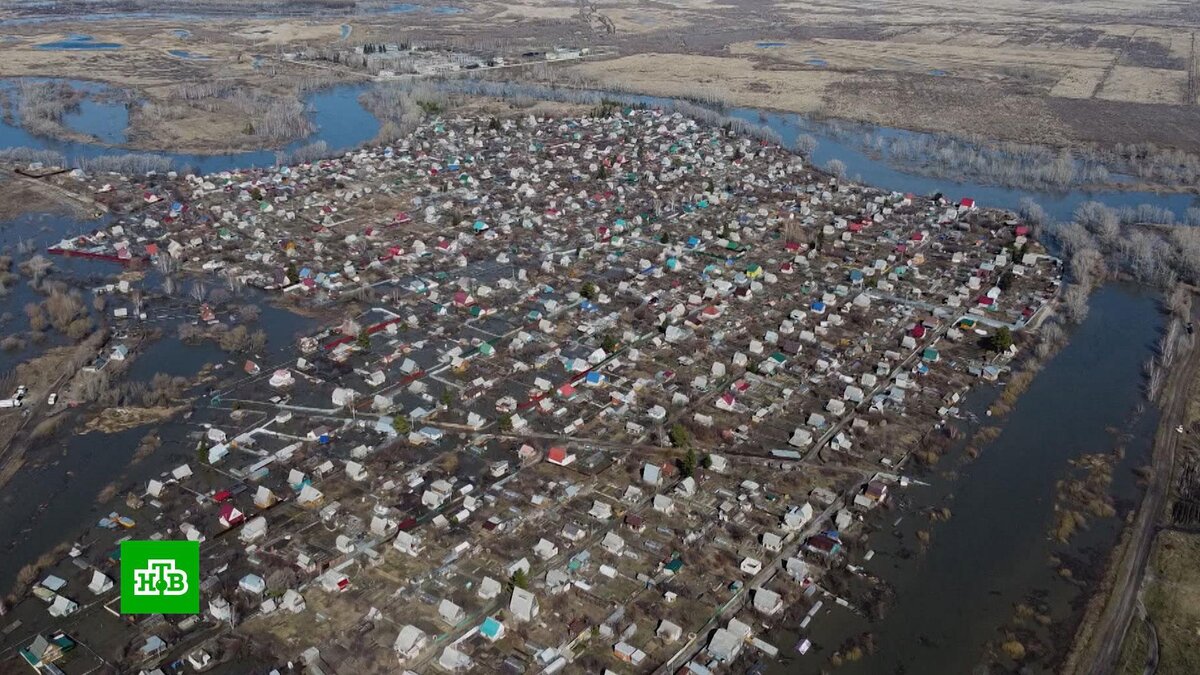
(52, 190)
(1103, 645)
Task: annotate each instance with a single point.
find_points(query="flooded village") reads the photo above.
(533, 337)
(612, 392)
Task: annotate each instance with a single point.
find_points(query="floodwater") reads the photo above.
(189, 56)
(79, 42)
(994, 552)
(100, 114)
(339, 117)
(872, 171)
(343, 123)
(951, 600)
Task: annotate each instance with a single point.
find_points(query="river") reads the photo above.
(956, 597)
(951, 600)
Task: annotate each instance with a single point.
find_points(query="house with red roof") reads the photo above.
(231, 516)
(560, 457)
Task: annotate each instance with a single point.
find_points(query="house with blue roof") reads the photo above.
(491, 629)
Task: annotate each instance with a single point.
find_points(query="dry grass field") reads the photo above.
(1172, 599)
(1095, 71)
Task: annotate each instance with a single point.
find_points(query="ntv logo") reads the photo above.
(160, 577)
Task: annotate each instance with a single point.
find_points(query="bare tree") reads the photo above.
(1075, 303)
(836, 167)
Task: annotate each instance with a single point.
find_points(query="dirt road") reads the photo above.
(1103, 646)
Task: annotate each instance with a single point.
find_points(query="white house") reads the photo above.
(408, 543)
(450, 612)
(410, 642)
(613, 543)
(523, 605)
(767, 601)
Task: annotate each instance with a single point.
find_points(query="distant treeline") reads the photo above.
(1023, 165)
(129, 163)
(701, 113)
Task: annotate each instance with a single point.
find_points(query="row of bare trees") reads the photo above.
(1175, 339)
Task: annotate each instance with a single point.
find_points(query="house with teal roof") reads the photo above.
(491, 629)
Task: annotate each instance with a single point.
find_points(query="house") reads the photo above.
(253, 584)
(876, 491)
(230, 516)
(355, 471)
(454, 660)
(717, 463)
(292, 601)
(651, 474)
(751, 566)
(801, 438)
(63, 606)
(686, 487)
(796, 568)
(772, 542)
(44, 651)
(824, 544)
(663, 504)
(410, 642)
(219, 609)
(797, 517)
(573, 533)
(560, 457)
(309, 495)
(668, 631)
(450, 612)
(491, 629)
(253, 530)
(628, 653)
(100, 583)
(489, 588)
(725, 645)
(523, 605)
(767, 602)
(601, 510)
(613, 543)
(545, 549)
(334, 581)
(843, 519)
(153, 646)
(199, 660)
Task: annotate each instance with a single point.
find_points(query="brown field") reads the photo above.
(1028, 70)
(1172, 600)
